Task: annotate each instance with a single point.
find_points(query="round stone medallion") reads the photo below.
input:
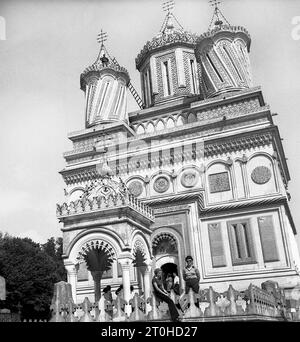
(135, 188)
(161, 184)
(261, 175)
(189, 178)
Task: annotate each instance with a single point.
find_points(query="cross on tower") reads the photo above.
(214, 3)
(168, 6)
(102, 37)
(218, 15)
(168, 24)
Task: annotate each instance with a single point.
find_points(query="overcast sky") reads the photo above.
(49, 43)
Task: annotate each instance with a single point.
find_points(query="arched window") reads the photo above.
(164, 243)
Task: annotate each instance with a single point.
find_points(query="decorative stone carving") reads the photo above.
(219, 182)
(174, 208)
(164, 243)
(135, 188)
(2, 289)
(186, 38)
(261, 175)
(161, 184)
(189, 178)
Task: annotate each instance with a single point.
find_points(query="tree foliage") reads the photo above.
(30, 270)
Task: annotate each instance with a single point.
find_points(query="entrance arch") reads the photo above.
(167, 255)
(169, 268)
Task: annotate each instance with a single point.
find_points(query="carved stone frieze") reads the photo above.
(219, 182)
(174, 208)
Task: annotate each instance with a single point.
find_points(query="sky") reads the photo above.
(49, 43)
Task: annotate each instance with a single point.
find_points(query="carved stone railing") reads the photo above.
(102, 203)
(254, 303)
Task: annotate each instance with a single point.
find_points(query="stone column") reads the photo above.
(72, 279)
(97, 275)
(147, 284)
(125, 260)
(147, 278)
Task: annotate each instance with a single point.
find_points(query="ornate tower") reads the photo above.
(167, 63)
(105, 85)
(222, 52)
(105, 228)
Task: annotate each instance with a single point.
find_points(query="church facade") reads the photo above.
(198, 170)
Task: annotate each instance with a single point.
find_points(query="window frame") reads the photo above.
(239, 244)
(167, 82)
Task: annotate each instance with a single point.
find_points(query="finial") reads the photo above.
(217, 15)
(168, 22)
(168, 6)
(102, 37)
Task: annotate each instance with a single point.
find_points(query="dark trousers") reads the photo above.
(192, 284)
(172, 308)
(176, 289)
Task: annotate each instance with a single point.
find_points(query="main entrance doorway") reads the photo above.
(169, 268)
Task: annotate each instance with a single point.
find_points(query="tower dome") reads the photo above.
(105, 85)
(222, 53)
(167, 64)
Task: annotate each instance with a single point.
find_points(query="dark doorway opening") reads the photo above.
(168, 269)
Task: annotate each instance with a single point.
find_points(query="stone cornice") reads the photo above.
(202, 128)
(101, 128)
(214, 145)
(193, 103)
(158, 204)
(239, 143)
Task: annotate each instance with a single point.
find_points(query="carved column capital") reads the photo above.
(71, 268)
(125, 259)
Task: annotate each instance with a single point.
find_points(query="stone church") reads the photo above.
(198, 170)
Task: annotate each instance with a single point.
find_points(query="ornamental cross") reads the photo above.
(214, 3)
(168, 6)
(102, 37)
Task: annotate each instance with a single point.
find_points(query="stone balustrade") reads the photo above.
(101, 203)
(254, 303)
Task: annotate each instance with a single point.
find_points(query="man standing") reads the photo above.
(191, 276)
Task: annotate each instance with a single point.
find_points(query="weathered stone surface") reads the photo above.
(2, 289)
(62, 301)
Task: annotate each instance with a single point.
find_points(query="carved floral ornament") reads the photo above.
(97, 244)
(261, 175)
(135, 188)
(189, 178)
(139, 246)
(161, 184)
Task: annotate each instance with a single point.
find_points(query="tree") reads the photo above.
(54, 248)
(30, 271)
